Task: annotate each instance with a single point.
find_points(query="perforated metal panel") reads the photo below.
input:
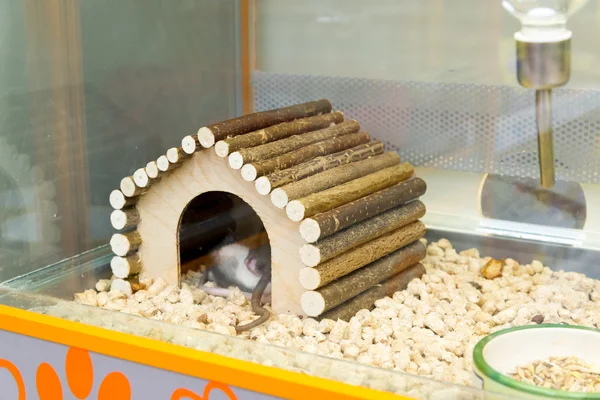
(455, 126)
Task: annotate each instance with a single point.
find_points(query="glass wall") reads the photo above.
(89, 92)
(466, 41)
(436, 81)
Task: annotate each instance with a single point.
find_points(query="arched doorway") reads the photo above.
(208, 220)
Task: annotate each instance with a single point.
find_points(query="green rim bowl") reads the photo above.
(508, 348)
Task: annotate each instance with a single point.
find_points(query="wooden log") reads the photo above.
(121, 285)
(317, 302)
(280, 197)
(140, 178)
(276, 132)
(367, 299)
(334, 245)
(190, 144)
(123, 244)
(143, 180)
(322, 225)
(176, 155)
(118, 201)
(152, 170)
(164, 165)
(265, 184)
(124, 219)
(124, 267)
(129, 188)
(312, 278)
(273, 149)
(210, 134)
(251, 171)
(333, 197)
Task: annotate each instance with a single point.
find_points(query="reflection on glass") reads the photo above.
(91, 91)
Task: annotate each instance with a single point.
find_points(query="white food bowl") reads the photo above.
(501, 352)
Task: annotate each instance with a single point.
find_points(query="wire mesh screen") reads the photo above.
(465, 127)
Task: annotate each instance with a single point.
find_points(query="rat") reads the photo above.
(248, 269)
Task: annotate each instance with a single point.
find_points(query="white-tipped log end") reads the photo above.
(190, 144)
(123, 267)
(309, 278)
(236, 161)
(120, 244)
(118, 219)
(119, 267)
(206, 137)
(310, 230)
(310, 255)
(128, 186)
(125, 218)
(116, 199)
(140, 177)
(162, 163)
(263, 185)
(313, 303)
(222, 149)
(122, 286)
(295, 211)
(173, 155)
(249, 172)
(152, 170)
(279, 198)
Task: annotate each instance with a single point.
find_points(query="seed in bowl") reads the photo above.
(561, 373)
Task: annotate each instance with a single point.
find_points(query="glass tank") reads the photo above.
(95, 90)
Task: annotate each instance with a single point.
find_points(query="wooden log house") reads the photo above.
(341, 214)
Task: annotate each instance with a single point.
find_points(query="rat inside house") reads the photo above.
(247, 268)
(221, 231)
(237, 265)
